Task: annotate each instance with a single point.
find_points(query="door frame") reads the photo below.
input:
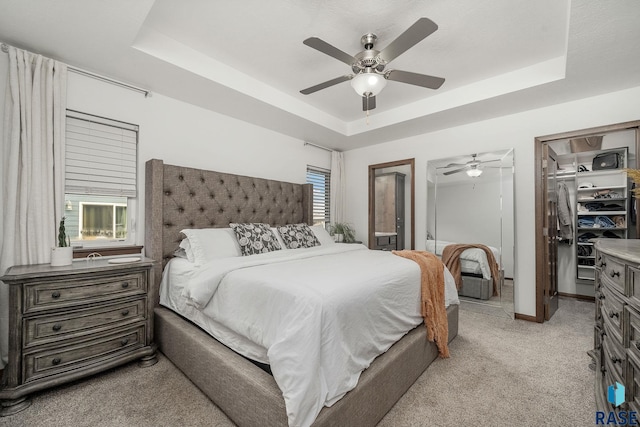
(372, 197)
(540, 207)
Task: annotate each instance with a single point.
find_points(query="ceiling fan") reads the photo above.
(472, 167)
(369, 76)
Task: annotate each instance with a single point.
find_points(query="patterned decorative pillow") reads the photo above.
(297, 236)
(255, 238)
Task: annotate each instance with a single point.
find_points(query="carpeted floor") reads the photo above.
(502, 373)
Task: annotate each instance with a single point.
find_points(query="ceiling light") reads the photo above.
(474, 172)
(368, 82)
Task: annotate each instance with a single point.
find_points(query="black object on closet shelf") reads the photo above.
(606, 161)
(610, 235)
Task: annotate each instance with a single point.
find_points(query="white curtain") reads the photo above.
(337, 188)
(32, 167)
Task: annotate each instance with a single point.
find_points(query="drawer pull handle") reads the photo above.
(616, 359)
(55, 294)
(614, 314)
(125, 312)
(57, 327)
(124, 341)
(615, 273)
(56, 361)
(125, 285)
(603, 264)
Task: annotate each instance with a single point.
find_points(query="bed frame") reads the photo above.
(179, 197)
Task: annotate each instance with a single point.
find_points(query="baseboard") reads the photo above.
(576, 296)
(526, 317)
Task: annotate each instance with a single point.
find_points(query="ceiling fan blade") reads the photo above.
(412, 36)
(488, 161)
(450, 165)
(326, 84)
(368, 102)
(456, 170)
(330, 50)
(423, 80)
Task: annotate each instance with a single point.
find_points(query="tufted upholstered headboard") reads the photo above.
(178, 197)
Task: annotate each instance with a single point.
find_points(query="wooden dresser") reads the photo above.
(69, 322)
(617, 321)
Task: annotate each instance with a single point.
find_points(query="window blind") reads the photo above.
(321, 181)
(100, 155)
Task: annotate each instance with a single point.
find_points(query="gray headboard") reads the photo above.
(178, 197)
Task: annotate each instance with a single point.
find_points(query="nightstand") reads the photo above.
(70, 322)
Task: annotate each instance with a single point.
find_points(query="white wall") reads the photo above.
(186, 135)
(183, 134)
(514, 131)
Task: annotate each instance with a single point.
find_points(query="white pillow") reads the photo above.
(323, 236)
(205, 244)
(184, 251)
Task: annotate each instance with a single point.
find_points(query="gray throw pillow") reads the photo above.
(296, 236)
(255, 238)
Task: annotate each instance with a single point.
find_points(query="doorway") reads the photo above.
(545, 254)
(407, 166)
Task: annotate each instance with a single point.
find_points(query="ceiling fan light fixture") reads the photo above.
(474, 172)
(368, 82)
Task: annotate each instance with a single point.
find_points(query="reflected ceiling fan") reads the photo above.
(472, 167)
(369, 75)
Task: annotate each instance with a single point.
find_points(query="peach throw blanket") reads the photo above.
(451, 258)
(432, 297)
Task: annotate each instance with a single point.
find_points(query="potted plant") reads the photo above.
(343, 232)
(63, 253)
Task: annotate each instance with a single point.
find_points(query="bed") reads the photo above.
(178, 198)
(477, 279)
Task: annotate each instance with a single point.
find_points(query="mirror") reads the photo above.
(391, 205)
(470, 201)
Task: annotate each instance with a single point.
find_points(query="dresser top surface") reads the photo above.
(21, 272)
(627, 249)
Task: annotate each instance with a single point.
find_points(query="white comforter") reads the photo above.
(471, 260)
(322, 314)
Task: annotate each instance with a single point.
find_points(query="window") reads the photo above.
(321, 180)
(100, 179)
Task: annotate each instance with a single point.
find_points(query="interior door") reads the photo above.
(400, 211)
(549, 170)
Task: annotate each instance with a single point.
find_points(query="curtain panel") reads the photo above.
(338, 191)
(32, 166)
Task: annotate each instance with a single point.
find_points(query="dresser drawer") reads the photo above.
(613, 271)
(613, 358)
(77, 323)
(50, 295)
(633, 282)
(612, 312)
(80, 354)
(633, 384)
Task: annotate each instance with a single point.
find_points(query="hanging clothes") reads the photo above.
(565, 215)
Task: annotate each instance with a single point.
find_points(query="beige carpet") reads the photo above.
(501, 373)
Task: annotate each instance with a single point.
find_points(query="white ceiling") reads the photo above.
(246, 59)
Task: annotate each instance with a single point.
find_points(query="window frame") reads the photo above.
(113, 245)
(326, 174)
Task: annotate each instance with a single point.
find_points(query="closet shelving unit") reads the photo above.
(608, 188)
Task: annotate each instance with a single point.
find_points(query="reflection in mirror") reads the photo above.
(470, 211)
